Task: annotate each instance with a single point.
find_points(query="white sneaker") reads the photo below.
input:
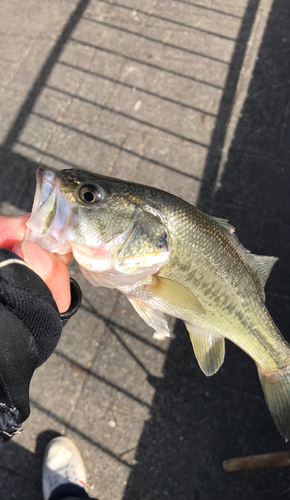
(62, 464)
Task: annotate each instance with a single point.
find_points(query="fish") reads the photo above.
(169, 259)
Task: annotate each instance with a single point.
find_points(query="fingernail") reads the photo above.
(37, 259)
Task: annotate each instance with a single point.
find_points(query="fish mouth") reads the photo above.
(50, 213)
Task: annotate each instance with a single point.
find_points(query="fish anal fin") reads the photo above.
(153, 317)
(276, 387)
(175, 293)
(209, 348)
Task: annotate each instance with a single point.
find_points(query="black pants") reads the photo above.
(69, 491)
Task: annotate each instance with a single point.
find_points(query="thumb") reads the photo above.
(50, 268)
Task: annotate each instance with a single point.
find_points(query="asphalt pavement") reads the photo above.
(191, 97)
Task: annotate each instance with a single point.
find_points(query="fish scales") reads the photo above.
(168, 258)
(236, 282)
(197, 244)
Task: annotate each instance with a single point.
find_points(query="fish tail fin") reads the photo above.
(276, 387)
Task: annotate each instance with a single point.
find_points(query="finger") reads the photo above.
(12, 230)
(50, 268)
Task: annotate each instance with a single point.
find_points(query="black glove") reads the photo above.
(30, 328)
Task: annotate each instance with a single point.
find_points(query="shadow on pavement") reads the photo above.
(196, 422)
(14, 166)
(21, 470)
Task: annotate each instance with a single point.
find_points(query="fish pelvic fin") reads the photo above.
(153, 317)
(276, 387)
(209, 348)
(175, 293)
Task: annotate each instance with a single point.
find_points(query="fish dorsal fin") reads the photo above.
(152, 317)
(175, 293)
(225, 224)
(263, 265)
(209, 348)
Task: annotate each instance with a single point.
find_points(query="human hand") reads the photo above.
(52, 268)
(30, 319)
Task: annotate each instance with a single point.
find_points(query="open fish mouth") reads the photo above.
(51, 213)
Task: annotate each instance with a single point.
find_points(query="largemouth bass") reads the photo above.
(168, 258)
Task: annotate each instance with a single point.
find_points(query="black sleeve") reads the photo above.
(30, 327)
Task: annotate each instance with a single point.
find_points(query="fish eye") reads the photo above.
(89, 194)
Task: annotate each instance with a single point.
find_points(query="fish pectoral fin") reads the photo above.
(209, 348)
(175, 293)
(153, 317)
